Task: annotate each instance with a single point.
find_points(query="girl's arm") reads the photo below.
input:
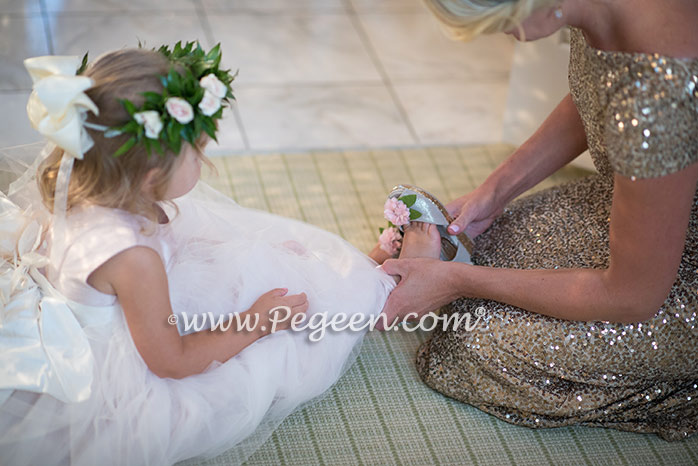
(649, 219)
(137, 277)
(559, 140)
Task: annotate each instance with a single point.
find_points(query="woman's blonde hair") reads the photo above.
(100, 178)
(465, 19)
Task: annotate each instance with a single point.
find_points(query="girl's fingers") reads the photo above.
(300, 308)
(278, 292)
(295, 300)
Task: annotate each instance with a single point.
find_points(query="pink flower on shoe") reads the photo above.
(396, 212)
(390, 240)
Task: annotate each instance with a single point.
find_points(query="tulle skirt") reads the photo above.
(223, 257)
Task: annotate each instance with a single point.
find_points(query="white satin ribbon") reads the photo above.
(57, 109)
(58, 105)
(43, 347)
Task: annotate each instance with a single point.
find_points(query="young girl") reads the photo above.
(101, 370)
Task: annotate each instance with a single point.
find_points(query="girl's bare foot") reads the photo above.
(421, 240)
(379, 255)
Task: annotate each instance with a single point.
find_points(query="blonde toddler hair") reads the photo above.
(100, 178)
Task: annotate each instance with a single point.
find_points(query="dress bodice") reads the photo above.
(93, 235)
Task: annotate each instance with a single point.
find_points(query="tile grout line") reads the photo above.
(241, 126)
(47, 27)
(203, 21)
(358, 27)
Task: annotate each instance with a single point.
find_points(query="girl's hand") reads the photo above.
(278, 319)
(473, 212)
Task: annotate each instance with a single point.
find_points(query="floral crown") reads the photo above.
(190, 101)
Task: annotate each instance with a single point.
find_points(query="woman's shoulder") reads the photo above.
(651, 116)
(615, 70)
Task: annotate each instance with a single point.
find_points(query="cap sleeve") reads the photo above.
(652, 123)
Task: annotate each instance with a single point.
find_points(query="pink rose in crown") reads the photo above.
(213, 85)
(390, 240)
(396, 212)
(180, 109)
(209, 104)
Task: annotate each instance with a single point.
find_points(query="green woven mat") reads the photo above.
(380, 412)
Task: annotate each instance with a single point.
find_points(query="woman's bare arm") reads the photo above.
(558, 141)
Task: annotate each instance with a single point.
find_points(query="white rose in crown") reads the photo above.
(213, 85)
(150, 119)
(209, 104)
(180, 109)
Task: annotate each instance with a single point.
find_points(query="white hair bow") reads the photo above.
(58, 105)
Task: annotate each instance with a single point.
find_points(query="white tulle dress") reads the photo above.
(73, 387)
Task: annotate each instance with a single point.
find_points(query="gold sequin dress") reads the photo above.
(640, 114)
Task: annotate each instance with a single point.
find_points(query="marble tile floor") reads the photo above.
(314, 74)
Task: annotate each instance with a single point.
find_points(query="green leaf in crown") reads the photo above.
(191, 101)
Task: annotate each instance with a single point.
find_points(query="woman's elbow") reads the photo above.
(631, 315)
(641, 306)
(635, 296)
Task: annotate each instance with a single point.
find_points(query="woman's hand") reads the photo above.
(275, 311)
(473, 212)
(425, 285)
